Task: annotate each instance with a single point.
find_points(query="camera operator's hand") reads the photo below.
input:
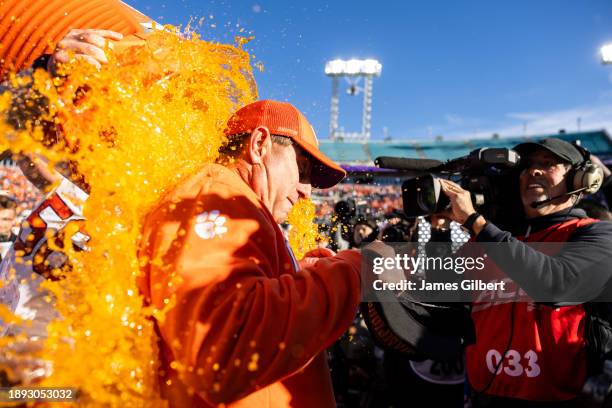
(461, 201)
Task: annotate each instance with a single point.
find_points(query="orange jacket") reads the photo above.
(246, 327)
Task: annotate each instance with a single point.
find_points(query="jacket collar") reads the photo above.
(540, 223)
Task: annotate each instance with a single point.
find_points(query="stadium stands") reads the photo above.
(351, 153)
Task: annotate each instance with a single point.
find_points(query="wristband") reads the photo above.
(469, 223)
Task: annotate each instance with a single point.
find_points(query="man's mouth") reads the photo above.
(533, 186)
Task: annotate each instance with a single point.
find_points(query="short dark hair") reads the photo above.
(7, 202)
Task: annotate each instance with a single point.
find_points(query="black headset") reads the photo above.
(585, 176)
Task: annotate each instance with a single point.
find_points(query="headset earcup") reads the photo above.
(589, 177)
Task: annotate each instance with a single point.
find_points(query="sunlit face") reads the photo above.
(7, 220)
(542, 179)
(288, 171)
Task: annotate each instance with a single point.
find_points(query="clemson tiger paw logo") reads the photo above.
(210, 224)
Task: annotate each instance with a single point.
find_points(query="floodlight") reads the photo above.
(353, 70)
(606, 54)
(353, 67)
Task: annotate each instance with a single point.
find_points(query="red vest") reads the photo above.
(546, 360)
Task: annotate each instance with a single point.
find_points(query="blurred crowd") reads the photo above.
(17, 186)
(17, 198)
(382, 200)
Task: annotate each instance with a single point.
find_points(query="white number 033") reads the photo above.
(514, 364)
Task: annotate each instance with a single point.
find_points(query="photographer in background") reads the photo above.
(8, 215)
(355, 223)
(365, 230)
(531, 354)
(8, 219)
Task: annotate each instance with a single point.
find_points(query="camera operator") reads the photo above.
(365, 230)
(398, 228)
(541, 349)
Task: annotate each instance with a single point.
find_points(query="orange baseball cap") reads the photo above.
(31, 28)
(284, 119)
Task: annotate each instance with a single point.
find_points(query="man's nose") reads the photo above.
(304, 190)
(535, 170)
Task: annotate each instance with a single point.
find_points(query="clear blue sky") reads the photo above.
(459, 68)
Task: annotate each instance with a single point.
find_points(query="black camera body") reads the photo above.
(349, 209)
(489, 174)
(348, 213)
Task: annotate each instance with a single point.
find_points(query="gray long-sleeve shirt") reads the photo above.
(578, 273)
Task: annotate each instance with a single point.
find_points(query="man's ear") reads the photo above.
(259, 145)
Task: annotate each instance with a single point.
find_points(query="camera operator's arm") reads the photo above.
(578, 273)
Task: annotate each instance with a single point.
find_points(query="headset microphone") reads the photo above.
(540, 203)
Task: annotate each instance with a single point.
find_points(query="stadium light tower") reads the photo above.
(352, 70)
(606, 53)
